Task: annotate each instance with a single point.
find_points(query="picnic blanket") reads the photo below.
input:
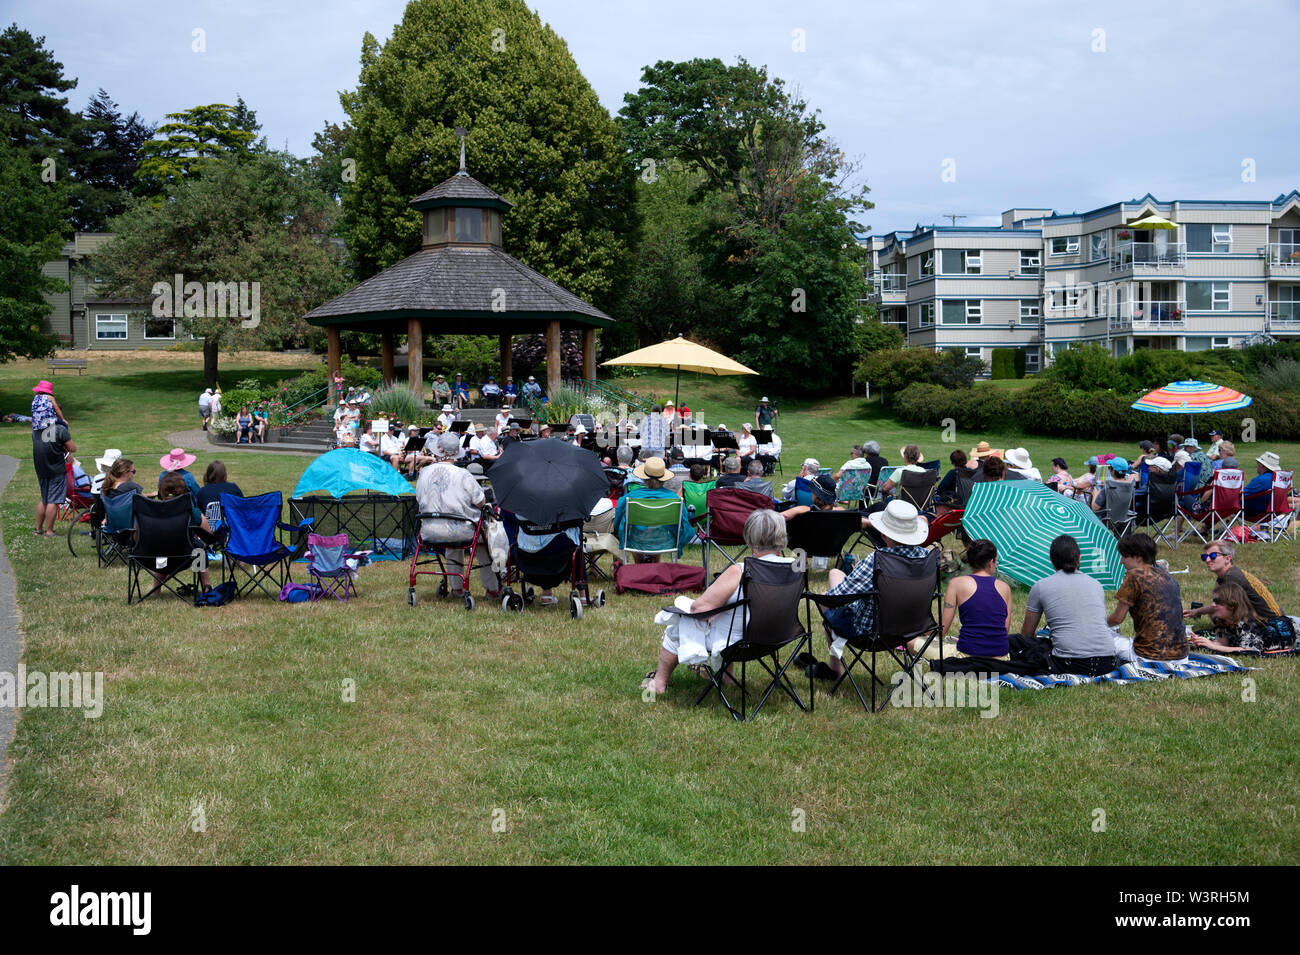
(1198, 664)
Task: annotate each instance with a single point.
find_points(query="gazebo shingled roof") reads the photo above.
(460, 286)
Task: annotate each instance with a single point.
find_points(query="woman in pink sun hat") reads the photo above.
(176, 461)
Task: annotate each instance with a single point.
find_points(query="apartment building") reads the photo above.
(1190, 275)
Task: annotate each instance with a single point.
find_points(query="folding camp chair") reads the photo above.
(1155, 511)
(253, 550)
(1277, 522)
(906, 594)
(1226, 505)
(1186, 505)
(652, 526)
(917, 488)
(851, 490)
(163, 548)
(723, 524)
(327, 567)
(943, 525)
(769, 596)
(1119, 516)
(113, 539)
(803, 492)
(695, 497)
(823, 533)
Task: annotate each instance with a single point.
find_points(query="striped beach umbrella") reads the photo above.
(1191, 398)
(1024, 517)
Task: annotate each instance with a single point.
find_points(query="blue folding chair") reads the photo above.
(803, 492)
(252, 549)
(112, 540)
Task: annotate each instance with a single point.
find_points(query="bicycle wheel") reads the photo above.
(81, 539)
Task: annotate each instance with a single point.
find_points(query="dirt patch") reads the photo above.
(189, 358)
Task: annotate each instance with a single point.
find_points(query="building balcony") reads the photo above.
(1282, 317)
(887, 288)
(1148, 316)
(1148, 256)
(1283, 260)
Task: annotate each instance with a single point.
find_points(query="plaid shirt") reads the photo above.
(861, 580)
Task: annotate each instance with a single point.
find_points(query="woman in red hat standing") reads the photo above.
(51, 444)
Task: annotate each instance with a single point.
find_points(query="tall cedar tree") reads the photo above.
(194, 137)
(538, 136)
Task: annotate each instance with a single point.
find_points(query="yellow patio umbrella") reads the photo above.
(684, 356)
(1152, 222)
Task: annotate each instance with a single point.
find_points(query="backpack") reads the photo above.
(300, 593)
(218, 595)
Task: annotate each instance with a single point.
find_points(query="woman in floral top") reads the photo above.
(1237, 628)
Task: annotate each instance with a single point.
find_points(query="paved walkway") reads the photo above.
(11, 640)
(198, 438)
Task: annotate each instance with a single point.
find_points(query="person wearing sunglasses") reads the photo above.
(1217, 558)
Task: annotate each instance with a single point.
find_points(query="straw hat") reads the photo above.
(651, 469)
(982, 450)
(175, 459)
(900, 522)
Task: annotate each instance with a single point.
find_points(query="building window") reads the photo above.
(1062, 298)
(1030, 311)
(960, 261)
(110, 327)
(1209, 238)
(1065, 245)
(1097, 245)
(1031, 263)
(1207, 296)
(159, 328)
(961, 312)
(925, 314)
(1220, 342)
(1032, 360)
(469, 225)
(927, 263)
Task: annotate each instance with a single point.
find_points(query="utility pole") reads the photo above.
(954, 217)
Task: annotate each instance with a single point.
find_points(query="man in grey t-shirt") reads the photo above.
(1075, 610)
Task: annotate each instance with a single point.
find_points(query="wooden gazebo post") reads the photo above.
(334, 351)
(390, 366)
(507, 358)
(415, 358)
(589, 354)
(553, 368)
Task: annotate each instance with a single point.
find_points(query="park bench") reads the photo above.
(77, 363)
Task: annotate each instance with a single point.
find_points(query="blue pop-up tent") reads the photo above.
(339, 472)
(359, 494)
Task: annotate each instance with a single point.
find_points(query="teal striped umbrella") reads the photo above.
(1024, 517)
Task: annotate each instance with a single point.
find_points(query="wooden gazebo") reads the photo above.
(461, 283)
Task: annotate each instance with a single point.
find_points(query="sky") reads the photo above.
(967, 107)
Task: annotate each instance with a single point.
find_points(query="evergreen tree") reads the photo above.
(538, 136)
(33, 214)
(192, 138)
(108, 161)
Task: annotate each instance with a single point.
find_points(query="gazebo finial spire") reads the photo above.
(462, 132)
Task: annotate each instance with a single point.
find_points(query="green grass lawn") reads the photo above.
(536, 722)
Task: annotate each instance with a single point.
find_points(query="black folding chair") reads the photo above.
(917, 488)
(163, 547)
(1119, 516)
(906, 593)
(770, 594)
(824, 533)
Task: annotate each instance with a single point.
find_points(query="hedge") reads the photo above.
(1049, 408)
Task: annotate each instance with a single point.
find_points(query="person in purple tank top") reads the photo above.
(984, 603)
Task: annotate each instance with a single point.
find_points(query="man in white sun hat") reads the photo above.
(1258, 494)
(903, 530)
(103, 464)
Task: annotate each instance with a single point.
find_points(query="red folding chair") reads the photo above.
(1276, 523)
(942, 526)
(723, 523)
(1227, 509)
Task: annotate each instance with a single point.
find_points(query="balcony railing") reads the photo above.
(889, 282)
(1284, 316)
(1148, 255)
(1284, 255)
(1148, 316)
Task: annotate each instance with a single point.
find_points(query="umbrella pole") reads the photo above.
(677, 391)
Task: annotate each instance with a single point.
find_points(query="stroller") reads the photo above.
(560, 560)
(428, 553)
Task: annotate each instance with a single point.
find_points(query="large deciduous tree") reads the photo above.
(538, 136)
(33, 216)
(780, 241)
(257, 220)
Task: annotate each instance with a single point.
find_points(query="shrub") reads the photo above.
(397, 402)
(890, 370)
(295, 390)
(1087, 367)
(1001, 366)
(975, 409)
(474, 356)
(872, 336)
(955, 370)
(1283, 376)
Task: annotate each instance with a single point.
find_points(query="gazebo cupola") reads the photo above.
(461, 211)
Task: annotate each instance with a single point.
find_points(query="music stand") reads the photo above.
(460, 427)
(413, 444)
(525, 424)
(724, 443)
(763, 435)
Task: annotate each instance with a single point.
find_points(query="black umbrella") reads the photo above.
(548, 481)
